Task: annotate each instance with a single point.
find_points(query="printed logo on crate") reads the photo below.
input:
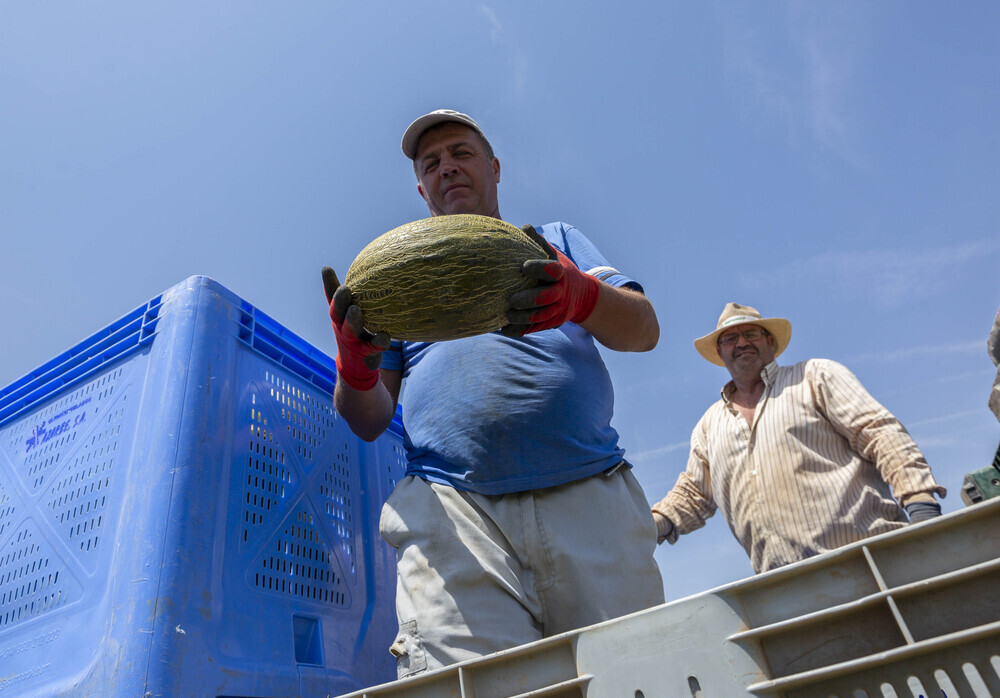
(63, 422)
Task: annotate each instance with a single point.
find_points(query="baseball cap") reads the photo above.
(439, 116)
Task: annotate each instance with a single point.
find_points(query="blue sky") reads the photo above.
(836, 164)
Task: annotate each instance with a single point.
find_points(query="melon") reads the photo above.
(441, 278)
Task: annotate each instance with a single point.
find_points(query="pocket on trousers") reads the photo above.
(408, 649)
(384, 523)
(389, 523)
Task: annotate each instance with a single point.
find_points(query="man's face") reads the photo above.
(454, 173)
(746, 356)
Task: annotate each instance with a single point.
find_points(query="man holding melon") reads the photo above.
(518, 517)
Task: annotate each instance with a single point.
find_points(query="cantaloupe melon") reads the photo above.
(441, 278)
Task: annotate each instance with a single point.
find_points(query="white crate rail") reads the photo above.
(908, 614)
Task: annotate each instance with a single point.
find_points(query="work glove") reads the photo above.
(564, 293)
(921, 511)
(359, 352)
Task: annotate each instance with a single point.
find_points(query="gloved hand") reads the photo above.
(565, 293)
(921, 511)
(359, 352)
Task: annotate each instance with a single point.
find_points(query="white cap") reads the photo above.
(439, 116)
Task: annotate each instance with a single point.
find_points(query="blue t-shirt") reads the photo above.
(495, 414)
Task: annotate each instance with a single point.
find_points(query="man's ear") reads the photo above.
(496, 169)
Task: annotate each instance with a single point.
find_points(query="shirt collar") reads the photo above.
(768, 374)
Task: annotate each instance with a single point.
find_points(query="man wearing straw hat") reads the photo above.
(801, 459)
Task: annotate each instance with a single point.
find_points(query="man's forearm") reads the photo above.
(623, 320)
(368, 412)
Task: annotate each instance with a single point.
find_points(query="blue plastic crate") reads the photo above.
(183, 513)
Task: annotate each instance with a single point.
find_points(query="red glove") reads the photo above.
(359, 352)
(565, 293)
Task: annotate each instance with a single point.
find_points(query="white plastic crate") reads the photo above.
(910, 614)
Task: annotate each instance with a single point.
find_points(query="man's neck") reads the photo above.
(748, 390)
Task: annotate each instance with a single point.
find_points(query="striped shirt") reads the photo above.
(812, 473)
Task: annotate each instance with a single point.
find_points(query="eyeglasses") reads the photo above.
(751, 335)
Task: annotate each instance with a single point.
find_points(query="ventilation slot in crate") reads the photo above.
(300, 565)
(7, 510)
(78, 499)
(334, 490)
(32, 582)
(268, 476)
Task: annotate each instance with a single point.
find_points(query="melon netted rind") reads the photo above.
(441, 278)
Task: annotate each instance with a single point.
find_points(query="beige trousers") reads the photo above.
(478, 573)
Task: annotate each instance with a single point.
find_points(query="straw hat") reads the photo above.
(735, 314)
